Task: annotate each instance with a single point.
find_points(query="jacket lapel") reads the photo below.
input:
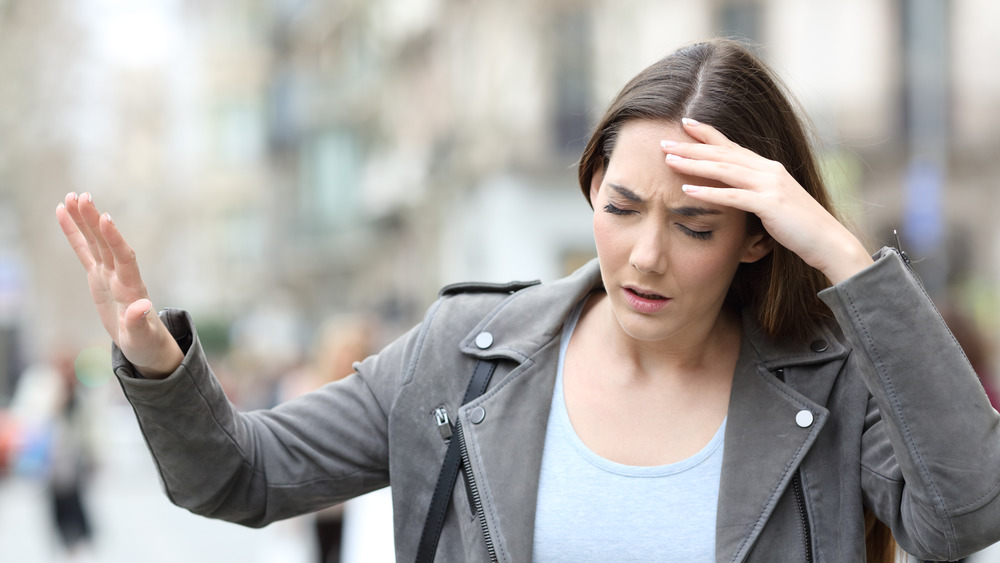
(771, 426)
(505, 428)
(505, 450)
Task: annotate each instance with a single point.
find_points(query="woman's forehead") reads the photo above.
(638, 162)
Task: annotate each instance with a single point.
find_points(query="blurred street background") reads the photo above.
(292, 171)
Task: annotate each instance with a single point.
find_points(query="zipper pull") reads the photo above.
(443, 423)
(899, 249)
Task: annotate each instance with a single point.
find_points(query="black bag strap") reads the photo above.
(449, 471)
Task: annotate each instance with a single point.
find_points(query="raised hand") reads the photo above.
(117, 288)
(763, 187)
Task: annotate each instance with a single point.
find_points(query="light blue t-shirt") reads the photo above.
(592, 509)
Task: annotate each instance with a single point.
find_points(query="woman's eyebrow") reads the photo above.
(685, 211)
(694, 211)
(625, 192)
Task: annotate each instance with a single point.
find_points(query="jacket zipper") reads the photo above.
(800, 501)
(474, 492)
(443, 423)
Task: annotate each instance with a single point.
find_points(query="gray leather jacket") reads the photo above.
(879, 409)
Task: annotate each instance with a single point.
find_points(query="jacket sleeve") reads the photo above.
(931, 445)
(257, 467)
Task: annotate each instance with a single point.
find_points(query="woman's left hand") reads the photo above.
(763, 187)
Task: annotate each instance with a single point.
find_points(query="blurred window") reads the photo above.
(741, 19)
(330, 180)
(572, 33)
(239, 131)
(925, 113)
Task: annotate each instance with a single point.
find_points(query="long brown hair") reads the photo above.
(723, 84)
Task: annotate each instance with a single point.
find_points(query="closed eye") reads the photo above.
(609, 208)
(700, 235)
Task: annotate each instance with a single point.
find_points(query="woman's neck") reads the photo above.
(698, 350)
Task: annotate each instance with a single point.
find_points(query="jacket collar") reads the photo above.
(531, 317)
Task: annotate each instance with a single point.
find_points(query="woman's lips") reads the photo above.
(644, 302)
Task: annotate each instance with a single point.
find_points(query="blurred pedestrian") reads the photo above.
(733, 378)
(58, 446)
(71, 461)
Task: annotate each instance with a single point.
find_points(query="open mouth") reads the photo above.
(650, 296)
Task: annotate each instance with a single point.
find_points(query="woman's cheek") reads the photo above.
(610, 239)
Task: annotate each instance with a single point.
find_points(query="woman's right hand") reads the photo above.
(117, 288)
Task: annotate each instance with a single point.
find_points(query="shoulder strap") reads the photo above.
(449, 471)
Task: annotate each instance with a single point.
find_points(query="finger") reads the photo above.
(729, 173)
(73, 202)
(147, 343)
(76, 239)
(705, 133)
(126, 266)
(92, 219)
(700, 151)
(743, 200)
(714, 145)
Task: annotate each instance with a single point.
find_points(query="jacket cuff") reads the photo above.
(889, 269)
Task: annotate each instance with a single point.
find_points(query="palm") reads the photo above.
(111, 297)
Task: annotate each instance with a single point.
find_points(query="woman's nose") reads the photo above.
(649, 252)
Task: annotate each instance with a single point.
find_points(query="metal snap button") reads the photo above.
(819, 346)
(477, 415)
(804, 418)
(484, 340)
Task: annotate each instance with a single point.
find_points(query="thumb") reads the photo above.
(146, 342)
(137, 315)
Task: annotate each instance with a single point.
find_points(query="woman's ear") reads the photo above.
(595, 183)
(759, 246)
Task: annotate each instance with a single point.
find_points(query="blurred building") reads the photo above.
(277, 161)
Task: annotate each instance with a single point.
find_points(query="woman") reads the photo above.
(734, 378)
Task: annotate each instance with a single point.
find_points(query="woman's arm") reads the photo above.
(931, 446)
(257, 467)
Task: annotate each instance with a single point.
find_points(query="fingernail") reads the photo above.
(666, 144)
(689, 121)
(689, 189)
(88, 197)
(672, 156)
(108, 217)
(147, 311)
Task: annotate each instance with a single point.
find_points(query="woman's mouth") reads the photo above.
(643, 302)
(653, 296)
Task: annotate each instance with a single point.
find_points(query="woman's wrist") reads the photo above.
(846, 261)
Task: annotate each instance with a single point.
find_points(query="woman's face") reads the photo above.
(667, 260)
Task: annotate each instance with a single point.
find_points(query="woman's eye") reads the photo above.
(700, 235)
(617, 210)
